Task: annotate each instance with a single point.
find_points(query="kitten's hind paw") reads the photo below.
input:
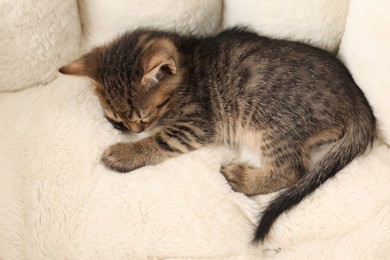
(119, 157)
(236, 175)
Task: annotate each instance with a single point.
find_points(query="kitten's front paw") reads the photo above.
(236, 175)
(121, 158)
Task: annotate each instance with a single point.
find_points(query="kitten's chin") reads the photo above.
(146, 133)
(141, 135)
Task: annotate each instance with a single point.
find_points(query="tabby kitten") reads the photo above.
(283, 98)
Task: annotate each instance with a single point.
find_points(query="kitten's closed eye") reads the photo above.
(143, 118)
(117, 125)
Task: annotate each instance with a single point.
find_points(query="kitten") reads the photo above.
(284, 98)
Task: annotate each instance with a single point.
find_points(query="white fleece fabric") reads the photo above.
(103, 20)
(36, 38)
(58, 201)
(365, 50)
(319, 22)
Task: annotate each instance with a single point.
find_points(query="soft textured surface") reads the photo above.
(36, 38)
(102, 20)
(57, 201)
(365, 49)
(319, 22)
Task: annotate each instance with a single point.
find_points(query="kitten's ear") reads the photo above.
(84, 66)
(160, 61)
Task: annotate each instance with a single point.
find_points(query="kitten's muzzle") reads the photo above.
(138, 127)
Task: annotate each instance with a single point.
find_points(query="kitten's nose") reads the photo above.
(137, 127)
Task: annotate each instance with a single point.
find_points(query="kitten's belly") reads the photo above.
(246, 142)
(249, 147)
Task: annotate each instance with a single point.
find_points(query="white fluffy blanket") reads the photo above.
(57, 201)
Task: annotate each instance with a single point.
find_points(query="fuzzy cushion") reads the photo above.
(319, 23)
(37, 37)
(57, 201)
(102, 20)
(365, 49)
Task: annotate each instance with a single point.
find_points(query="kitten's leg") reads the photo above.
(253, 181)
(167, 143)
(281, 168)
(284, 163)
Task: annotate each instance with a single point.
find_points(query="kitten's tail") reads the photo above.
(358, 136)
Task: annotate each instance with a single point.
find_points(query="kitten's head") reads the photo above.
(135, 77)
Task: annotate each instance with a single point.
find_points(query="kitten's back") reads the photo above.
(294, 94)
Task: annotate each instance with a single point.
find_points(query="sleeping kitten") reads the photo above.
(284, 98)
